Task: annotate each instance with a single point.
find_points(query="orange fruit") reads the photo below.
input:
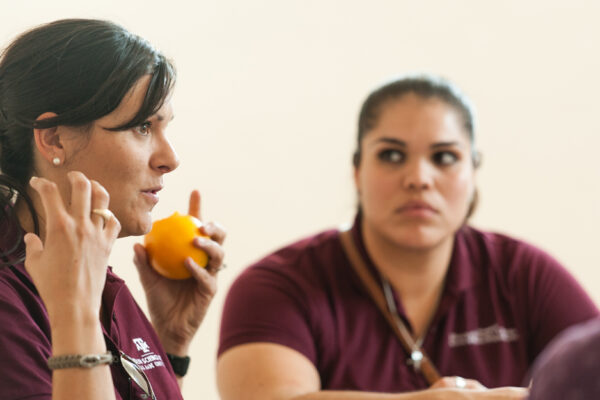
(170, 242)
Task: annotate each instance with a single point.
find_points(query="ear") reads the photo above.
(356, 165)
(356, 179)
(477, 159)
(48, 141)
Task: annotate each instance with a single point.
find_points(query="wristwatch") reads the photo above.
(180, 364)
(80, 360)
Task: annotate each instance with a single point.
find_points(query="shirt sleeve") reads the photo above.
(25, 347)
(555, 300)
(267, 305)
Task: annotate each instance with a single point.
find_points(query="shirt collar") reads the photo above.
(461, 275)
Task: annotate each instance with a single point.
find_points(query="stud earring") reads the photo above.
(56, 161)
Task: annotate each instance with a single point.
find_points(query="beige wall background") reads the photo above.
(269, 91)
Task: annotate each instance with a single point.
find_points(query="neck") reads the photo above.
(413, 272)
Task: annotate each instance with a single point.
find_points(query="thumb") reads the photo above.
(142, 262)
(194, 205)
(33, 247)
(33, 244)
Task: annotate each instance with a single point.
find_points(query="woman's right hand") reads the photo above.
(507, 393)
(69, 266)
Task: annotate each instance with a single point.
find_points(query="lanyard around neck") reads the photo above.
(417, 357)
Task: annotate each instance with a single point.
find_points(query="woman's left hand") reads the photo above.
(177, 307)
(457, 382)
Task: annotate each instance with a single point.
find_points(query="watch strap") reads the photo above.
(180, 364)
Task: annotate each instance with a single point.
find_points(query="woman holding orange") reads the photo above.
(411, 302)
(84, 110)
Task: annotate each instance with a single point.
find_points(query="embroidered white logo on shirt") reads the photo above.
(492, 334)
(149, 359)
(141, 345)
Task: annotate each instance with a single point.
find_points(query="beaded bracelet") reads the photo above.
(80, 360)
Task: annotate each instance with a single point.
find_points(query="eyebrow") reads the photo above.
(402, 143)
(446, 144)
(161, 118)
(389, 140)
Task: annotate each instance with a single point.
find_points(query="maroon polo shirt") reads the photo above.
(25, 340)
(503, 301)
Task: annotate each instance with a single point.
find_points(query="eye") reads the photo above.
(391, 156)
(144, 128)
(445, 158)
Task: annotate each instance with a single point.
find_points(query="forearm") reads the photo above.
(280, 373)
(437, 394)
(505, 393)
(80, 335)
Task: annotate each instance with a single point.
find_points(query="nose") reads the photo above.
(165, 158)
(418, 175)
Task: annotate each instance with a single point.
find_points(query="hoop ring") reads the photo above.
(105, 213)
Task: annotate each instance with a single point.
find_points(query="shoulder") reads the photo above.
(280, 298)
(505, 254)
(498, 244)
(305, 259)
(570, 361)
(516, 267)
(316, 246)
(531, 278)
(17, 289)
(301, 270)
(295, 277)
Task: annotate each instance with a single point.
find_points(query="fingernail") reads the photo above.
(33, 180)
(189, 262)
(201, 241)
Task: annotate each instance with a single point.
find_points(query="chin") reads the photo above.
(137, 227)
(143, 229)
(418, 239)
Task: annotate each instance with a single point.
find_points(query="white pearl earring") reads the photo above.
(56, 161)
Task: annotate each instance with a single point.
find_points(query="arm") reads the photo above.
(177, 307)
(264, 371)
(69, 271)
(80, 335)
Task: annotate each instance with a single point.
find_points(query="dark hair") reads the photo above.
(79, 69)
(424, 86)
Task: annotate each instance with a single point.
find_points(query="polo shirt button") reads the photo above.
(144, 396)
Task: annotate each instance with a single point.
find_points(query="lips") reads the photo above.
(416, 206)
(153, 190)
(151, 194)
